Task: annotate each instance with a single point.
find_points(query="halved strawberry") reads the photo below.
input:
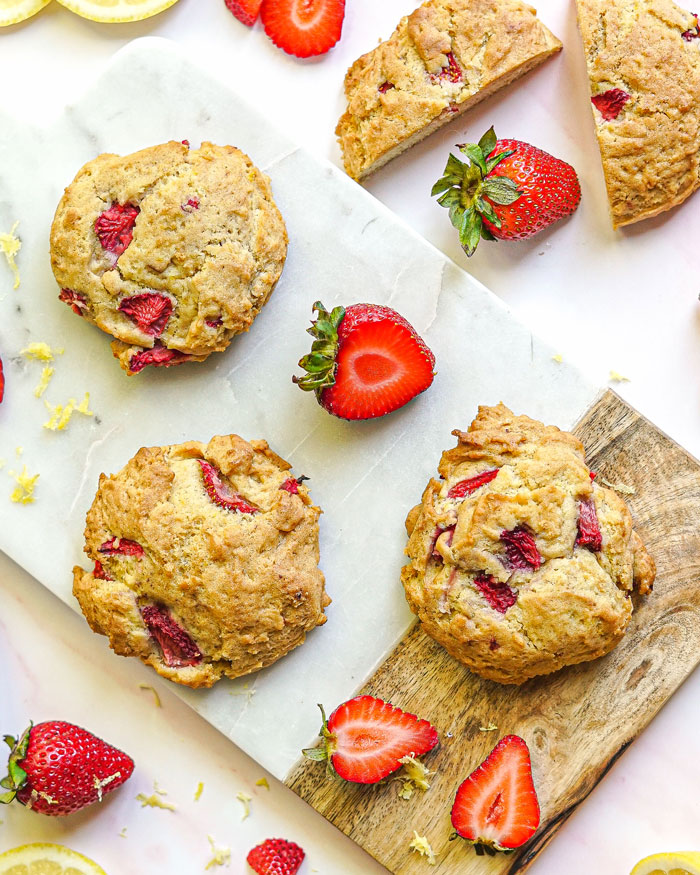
(149, 310)
(246, 11)
(365, 739)
(303, 27)
(115, 227)
(221, 493)
(177, 647)
(276, 857)
(365, 361)
(496, 808)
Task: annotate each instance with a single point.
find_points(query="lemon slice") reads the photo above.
(46, 859)
(111, 11)
(14, 11)
(680, 863)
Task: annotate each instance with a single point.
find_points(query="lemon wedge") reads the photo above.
(112, 11)
(46, 859)
(14, 11)
(680, 863)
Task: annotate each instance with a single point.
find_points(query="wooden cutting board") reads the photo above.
(576, 722)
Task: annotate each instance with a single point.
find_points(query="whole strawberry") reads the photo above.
(2, 382)
(366, 360)
(509, 190)
(57, 768)
(276, 857)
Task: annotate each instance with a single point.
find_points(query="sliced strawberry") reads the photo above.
(496, 808)
(149, 310)
(246, 11)
(589, 534)
(2, 382)
(303, 27)
(498, 594)
(221, 493)
(365, 739)
(75, 300)
(466, 487)
(122, 547)
(159, 356)
(276, 857)
(521, 550)
(115, 227)
(366, 361)
(99, 573)
(178, 649)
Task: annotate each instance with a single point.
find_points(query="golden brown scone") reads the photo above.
(643, 60)
(442, 59)
(520, 564)
(206, 560)
(172, 251)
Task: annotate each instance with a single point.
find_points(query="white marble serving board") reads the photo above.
(344, 247)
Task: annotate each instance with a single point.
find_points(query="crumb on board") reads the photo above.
(490, 728)
(46, 374)
(61, 413)
(622, 488)
(10, 245)
(262, 782)
(617, 377)
(422, 846)
(23, 493)
(220, 856)
(245, 799)
(158, 702)
(198, 792)
(155, 800)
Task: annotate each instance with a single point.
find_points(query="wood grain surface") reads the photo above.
(577, 721)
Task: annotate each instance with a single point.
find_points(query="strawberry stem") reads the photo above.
(16, 777)
(320, 362)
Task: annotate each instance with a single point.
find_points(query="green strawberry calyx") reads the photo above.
(320, 364)
(324, 751)
(16, 776)
(469, 192)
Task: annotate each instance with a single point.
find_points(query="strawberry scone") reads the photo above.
(205, 560)
(520, 563)
(171, 250)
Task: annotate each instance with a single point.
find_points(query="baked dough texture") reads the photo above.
(442, 59)
(643, 59)
(171, 250)
(520, 563)
(206, 560)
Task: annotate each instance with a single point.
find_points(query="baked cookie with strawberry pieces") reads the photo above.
(643, 63)
(205, 560)
(520, 563)
(171, 250)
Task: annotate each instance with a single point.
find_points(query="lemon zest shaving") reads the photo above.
(245, 799)
(19, 451)
(558, 358)
(40, 351)
(262, 782)
(154, 800)
(122, 834)
(159, 704)
(61, 413)
(23, 493)
(220, 856)
(46, 374)
(616, 377)
(415, 777)
(622, 488)
(422, 845)
(490, 728)
(3, 462)
(198, 792)
(10, 245)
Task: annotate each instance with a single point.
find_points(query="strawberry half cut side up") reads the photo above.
(365, 738)
(509, 190)
(75, 300)
(159, 356)
(466, 487)
(57, 768)
(303, 27)
(149, 310)
(122, 547)
(246, 11)
(496, 808)
(366, 361)
(521, 550)
(589, 534)
(115, 227)
(221, 493)
(178, 649)
(276, 857)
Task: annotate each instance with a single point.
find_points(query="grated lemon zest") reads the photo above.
(40, 351)
(245, 799)
(3, 462)
(490, 728)
(558, 358)
(122, 834)
(61, 413)
(622, 488)
(416, 777)
(46, 375)
(262, 782)
(422, 845)
(198, 792)
(154, 800)
(23, 493)
(159, 704)
(617, 377)
(10, 245)
(19, 451)
(220, 856)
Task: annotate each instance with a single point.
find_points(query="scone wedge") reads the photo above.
(442, 59)
(643, 59)
(520, 563)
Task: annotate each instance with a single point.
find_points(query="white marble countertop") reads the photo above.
(641, 321)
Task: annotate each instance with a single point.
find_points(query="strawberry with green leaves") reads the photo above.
(509, 190)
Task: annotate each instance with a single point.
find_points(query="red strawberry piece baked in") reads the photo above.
(366, 360)
(496, 807)
(303, 27)
(365, 739)
(276, 857)
(57, 768)
(115, 227)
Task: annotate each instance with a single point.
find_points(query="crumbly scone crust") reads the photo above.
(402, 90)
(575, 606)
(208, 236)
(245, 587)
(651, 151)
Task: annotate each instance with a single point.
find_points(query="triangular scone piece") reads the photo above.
(643, 61)
(441, 60)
